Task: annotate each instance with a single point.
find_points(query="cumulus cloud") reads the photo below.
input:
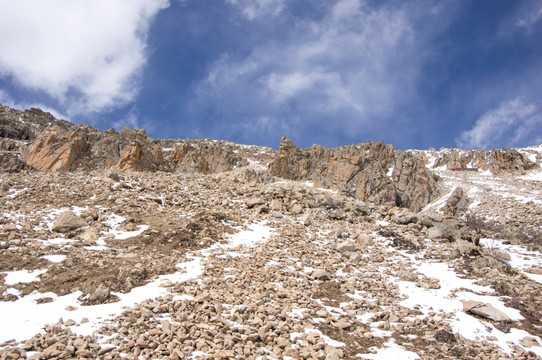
(354, 66)
(514, 123)
(88, 55)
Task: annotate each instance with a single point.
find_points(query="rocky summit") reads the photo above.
(115, 245)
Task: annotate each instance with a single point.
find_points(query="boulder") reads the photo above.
(345, 247)
(484, 310)
(306, 219)
(445, 336)
(404, 216)
(90, 235)
(457, 204)
(68, 221)
(99, 295)
(254, 201)
(296, 209)
(337, 214)
(466, 248)
(320, 274)
(440, 232)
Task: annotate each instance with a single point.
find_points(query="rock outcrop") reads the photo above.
(56, 150)
(370, 171)
(205, 159)
(457, 204)
(497, 161)
(28, 124)
(137, 158)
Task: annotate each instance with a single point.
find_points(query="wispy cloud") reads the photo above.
(355, 66)
(86, 55)
(513, 123)
(531, 15)
(252, 9)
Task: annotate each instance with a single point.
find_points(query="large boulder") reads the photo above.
(68, 221)
(484, 310)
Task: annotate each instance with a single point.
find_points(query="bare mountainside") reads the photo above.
(117, 245)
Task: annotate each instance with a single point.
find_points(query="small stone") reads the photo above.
(252, 202)
(445, 336)
(337, 214)
(306, 219)
(343, 324)
(320, 274)
(345, 247)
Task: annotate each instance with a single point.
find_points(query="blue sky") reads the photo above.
(418, 74)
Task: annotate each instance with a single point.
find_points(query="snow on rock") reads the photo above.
(28, 317)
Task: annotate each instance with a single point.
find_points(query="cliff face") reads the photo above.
(371, 171)
(56, 150)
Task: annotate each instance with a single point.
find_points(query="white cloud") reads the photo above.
(253, 9)
(514, 123)
(356, 64)
(87, 54)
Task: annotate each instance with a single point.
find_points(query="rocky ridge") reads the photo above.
(219, 250)
(372, 171)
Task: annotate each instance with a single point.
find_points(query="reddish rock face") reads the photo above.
(137, 158)
(369, 171)
(56, 150)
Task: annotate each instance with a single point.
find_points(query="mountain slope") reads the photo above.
(221, 250)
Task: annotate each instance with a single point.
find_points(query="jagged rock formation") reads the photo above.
(28, 124)
(56, 150)
(498, 161)
(205, 159)
(137, 158)
(457, 204)
(372, 171)
(48, 144)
